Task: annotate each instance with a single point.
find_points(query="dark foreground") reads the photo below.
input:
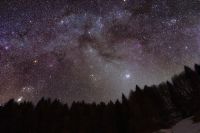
(144, 111)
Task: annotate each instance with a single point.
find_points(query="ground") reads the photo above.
(184, 126)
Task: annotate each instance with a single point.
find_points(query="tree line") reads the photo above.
(145, 110)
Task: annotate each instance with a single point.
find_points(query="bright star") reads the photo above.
(20, 99)
(127, 76)
(62, 21)
(35, 61)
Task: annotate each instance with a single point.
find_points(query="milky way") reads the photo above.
(93, 50)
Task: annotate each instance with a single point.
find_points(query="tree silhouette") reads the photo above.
(145, 110)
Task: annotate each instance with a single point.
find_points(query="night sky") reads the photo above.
(93, 50)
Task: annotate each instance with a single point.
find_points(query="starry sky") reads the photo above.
(93, 50)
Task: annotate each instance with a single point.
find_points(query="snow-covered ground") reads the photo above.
(184, 126)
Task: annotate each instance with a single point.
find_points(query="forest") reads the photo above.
(145, 110)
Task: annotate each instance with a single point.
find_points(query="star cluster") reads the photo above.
(93, 50)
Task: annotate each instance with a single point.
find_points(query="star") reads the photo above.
(127, 76)
(62, 21)
(35, 61)
(20, 99)
(6, 47)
